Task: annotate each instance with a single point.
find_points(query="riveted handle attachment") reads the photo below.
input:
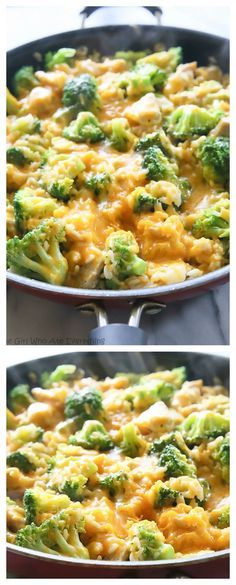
(119, 333)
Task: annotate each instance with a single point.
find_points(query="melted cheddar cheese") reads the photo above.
(164, 237)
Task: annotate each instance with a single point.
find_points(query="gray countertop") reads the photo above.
(202, 320)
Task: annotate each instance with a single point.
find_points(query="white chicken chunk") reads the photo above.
(89, 273)
(55, 79)
(145, 111)
(42, 414)
(182, 78)
(190, 393)
(41, 101)
(157, 418)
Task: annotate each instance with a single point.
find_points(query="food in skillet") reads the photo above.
(134, 467)
(118, 170)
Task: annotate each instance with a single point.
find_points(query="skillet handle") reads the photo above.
(88, 10)
(120, 333)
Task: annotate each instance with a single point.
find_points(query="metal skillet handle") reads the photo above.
(119, 333)
(88, 10)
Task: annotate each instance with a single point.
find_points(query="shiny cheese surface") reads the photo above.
(110, 518)
(166, 243)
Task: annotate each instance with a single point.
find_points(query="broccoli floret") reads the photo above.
(29, 457)
(181, 489)
(130, 56)
(27, 205)
(26, 125)
(159, 139)
(21, 461)
(175, 462)
(185, 188)
(214, 155)
(173, 192)
(203, 426)
(59, 174)
(143, 78)
(26, 434)
(147, 543)
(147, 77)
(85, 404)
(19, 398)
(164, 495)
(27, 149)
(61, 189)
(24, 80)
(175, 57)
(38, 255)
(224, 517)
(11, 420)
(178, 376)
(130, 441)
(167, 60)
(37, 501)
(121, 259)
(189, 121)
(159, 195)
(143, 201)
(158, 166)
(82, 93)
(147, 141)
(69, 474)
(175, 438)
(220, 517)
(84, 129)
(221, 454)
(17, 157)
(114, 483)
(74, 488)
(61, 373)
(57, 535)
(149, 391)
(57, 57)
(13, 105)
(206, 492)
(120, 136)
(213, 222)
(98, 183)
(93, 435)
(31, 536)
(32, 455)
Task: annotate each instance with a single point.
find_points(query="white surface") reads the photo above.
(17, 354)
(41, 22)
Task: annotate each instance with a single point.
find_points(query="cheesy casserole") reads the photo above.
(117, 170)
(132, 468)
